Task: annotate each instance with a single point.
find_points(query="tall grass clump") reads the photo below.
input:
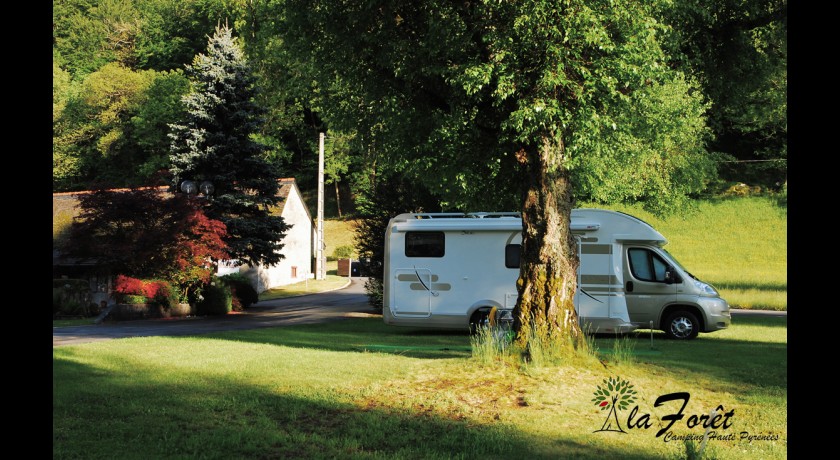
(622, 351)
(495, 344)
(693, 451)
(492, 344)
(543, 350)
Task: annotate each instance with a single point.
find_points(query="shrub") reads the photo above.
(134, 290)
(242, 290)
(56, 300)
(125, 286)
(742, 189)
(343, 252)
(161, 293)
(69, 295)
(131, 298)
(71, 284)
(73, 307)
(217, 299)
(781, 197)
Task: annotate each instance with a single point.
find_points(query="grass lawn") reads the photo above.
(360, 389)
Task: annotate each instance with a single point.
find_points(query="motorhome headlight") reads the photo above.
(706, 289)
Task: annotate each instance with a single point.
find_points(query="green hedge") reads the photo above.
(241, 288)
(217, 299)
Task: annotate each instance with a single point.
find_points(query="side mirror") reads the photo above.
(671, 277)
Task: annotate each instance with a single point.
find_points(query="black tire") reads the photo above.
(682, 325)
(478, 320)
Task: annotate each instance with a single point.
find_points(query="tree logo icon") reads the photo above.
(614, 394)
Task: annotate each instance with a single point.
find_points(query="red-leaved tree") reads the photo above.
(201, 245)
(148, 233)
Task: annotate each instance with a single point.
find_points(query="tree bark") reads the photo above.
(545, 310)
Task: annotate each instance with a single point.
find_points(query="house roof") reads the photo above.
(286, 185)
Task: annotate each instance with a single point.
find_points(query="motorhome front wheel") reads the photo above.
(682, 325)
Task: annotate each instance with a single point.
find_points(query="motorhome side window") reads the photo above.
(647, 265)
(424, 244)
(512, 254)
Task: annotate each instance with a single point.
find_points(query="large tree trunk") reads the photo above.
(545, 310)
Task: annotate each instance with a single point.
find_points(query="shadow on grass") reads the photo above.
(737, 362)
(759, 320)
(152, 412)
(361, 335)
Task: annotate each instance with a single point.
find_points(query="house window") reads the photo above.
(294, 272)
(512, 255)
(424, 244)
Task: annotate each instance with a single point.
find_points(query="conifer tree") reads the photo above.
(215, 145)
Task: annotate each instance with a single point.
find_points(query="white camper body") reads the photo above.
(451, 270)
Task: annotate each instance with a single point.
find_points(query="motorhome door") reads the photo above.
(646, 290)
(596, 284)
(411, 292)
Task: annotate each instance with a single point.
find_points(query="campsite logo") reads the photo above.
(614, 395)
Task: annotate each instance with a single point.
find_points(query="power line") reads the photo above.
(750, 161)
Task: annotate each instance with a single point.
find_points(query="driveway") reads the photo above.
(350, 301)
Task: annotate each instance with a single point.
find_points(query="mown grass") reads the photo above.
(739, 245)
(360, 389)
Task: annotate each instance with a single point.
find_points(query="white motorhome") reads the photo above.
(451, 270)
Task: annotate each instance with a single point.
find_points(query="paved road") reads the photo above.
(329, 306)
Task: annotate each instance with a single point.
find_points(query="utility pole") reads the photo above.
(320, 245)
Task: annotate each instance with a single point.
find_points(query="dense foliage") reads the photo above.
(216, 299)
(242, 291)
(736, 50)
(157, 292)
(526, 105)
